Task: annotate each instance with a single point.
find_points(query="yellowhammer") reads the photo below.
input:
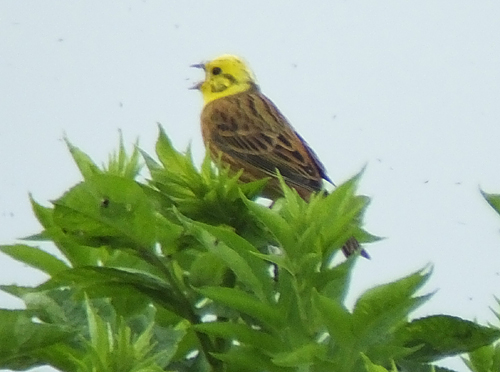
(248, 131)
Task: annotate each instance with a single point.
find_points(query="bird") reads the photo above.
(246, 130)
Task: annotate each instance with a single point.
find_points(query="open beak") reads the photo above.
(198, 65)
(197, 86)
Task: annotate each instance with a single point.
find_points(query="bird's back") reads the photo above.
(249, 132)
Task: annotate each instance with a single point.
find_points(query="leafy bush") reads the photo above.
(487, 358)
(187, 271)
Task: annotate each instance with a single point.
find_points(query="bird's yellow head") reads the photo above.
(225, 76)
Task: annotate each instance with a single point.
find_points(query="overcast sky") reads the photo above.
(409, 88)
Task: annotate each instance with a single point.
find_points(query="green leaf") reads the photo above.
(76, 254)
(17, 290)
(60, 356)
(493, 200)
(244, 302)
(56, 306)
(338, 321)
(34, 257)
(98, 333)
(21, 339)
(253, 189)
(484, 359)
(279, 260)
(244, 359)
(236, 253)
(105, 210)
(371, 367)
(123, 165)
(109, 282)
(87, 167)
(380, 309)
(243, 334)
(441, 336)
(302, 356)
(336, 204)
(334, 282)
(43, 214)
(277, 225)
(114, 346)
(207, 270)
(152, 164)
(176, 163)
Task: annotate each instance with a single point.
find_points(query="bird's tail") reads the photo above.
(352, 246)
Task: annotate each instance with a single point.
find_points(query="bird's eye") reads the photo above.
(216, 71)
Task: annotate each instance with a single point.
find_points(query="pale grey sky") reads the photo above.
(410, 88)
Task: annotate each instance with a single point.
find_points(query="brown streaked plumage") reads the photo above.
(251, 134)
(248, 132)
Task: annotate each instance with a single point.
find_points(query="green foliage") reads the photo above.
(493, 200)
(486, 358)
(190, 271)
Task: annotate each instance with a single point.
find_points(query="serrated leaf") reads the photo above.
(338, 321)
(246, 359)
(35, 258)
(207, 270)
(76, 254)
(277, 225)
(43, 214)
(152, 164)
(243, 334)
(107, 209)
(98, 332)
(107, 281)
(334, 282)
(372, 367)
(254, 188)
(441, 336)
(21, 339)
(337, 202)
(87, 167)
(16, 290)
(301, 356)
(245, 303)
(123, 165)
(483, 359)
(493, 200)
(279, 260)
(236, 253)
(383, 307)
(176, 163)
